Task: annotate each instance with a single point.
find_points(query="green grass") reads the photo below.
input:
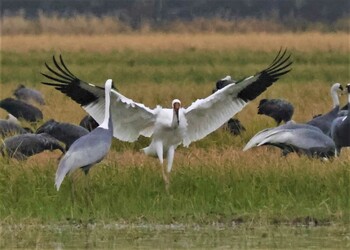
(201, 193)
(191, 66)
(213, 180)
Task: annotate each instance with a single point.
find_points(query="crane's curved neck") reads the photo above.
(335, 97)
(349, 100)
(104, 124)
(175, 122)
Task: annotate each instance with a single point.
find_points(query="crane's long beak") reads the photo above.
(176, 110)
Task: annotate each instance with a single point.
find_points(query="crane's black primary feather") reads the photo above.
(278, 67)
(66, 82)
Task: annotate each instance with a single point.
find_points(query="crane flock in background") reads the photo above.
(85, 145)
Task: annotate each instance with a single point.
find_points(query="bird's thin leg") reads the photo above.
(159, 148)
(170, 159)
(337, 151)
(72, 190)
(88, 189)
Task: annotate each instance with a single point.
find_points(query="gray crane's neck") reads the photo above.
(104, 124)
(335, 97)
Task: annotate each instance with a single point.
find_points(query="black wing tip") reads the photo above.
(63, 80)
(279, 67)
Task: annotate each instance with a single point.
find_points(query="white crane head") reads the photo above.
(226, 78)
(334, 93)
(109, 84)
(336, 86)
(176, 104)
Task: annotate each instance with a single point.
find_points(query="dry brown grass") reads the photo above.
(61, 108)
(311, 41)
(257, 159)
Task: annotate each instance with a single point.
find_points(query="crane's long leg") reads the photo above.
(159, 149)
(72, 190)
(170, 159)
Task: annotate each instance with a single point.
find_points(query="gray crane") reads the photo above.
(11, 126)
(340, 129)
(223, 82)
(27, 94)
(292, 137)
(344, 110)
(90, 148)
(23, 146)
(324, 122)
(280, 110)
(88, 122)
(21, 109)
(233, 124)
(62, 131)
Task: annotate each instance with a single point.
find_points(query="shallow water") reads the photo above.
(145, 236)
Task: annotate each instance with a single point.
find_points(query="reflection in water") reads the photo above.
(145, 236)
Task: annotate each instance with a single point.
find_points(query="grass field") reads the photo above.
(213, 181)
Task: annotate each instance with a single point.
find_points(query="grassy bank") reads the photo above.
(213, 180)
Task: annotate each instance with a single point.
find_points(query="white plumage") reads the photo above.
(168, 127)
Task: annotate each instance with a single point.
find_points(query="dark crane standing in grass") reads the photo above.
(324, 122)
(233, 124)
(27, 94)
(88, 122)
(10, 127)
(340, 129)
(62, 131)
(280, 110)
(23, 146)
(21, 110)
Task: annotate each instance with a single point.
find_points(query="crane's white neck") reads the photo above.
(176, 113)
(12, 119)
(334, 95)
(108, 86)
(175, 122)
(349, 99)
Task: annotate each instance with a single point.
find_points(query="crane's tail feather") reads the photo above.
(260, 138)
(61, 172)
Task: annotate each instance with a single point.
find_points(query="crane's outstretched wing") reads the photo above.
(206, 115)
(130, 119)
